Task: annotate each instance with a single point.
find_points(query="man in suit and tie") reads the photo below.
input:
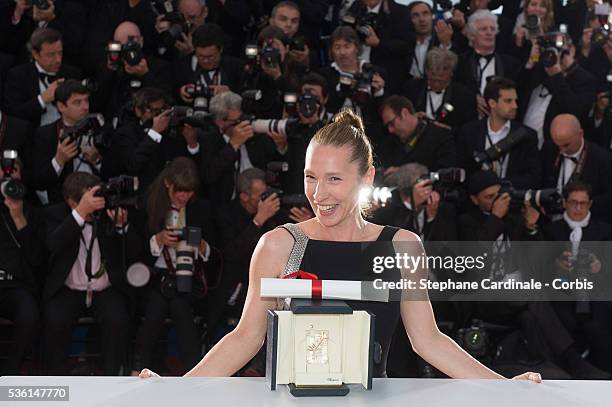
(521, 164)
(207, 65)
(573, 158)
(548, 91)
(437, 90)
(30, 88)
(412, 139)
(483, 60)
(54, 157)
(85, 273)
(232, 147)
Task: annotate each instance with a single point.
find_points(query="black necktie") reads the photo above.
(487, 57)
(46, 78)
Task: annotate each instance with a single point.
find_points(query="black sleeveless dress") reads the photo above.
(353, 261)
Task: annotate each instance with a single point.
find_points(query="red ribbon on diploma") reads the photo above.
(317, 285)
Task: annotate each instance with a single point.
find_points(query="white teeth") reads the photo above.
(326, 207)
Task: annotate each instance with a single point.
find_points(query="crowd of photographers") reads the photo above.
(147, 145)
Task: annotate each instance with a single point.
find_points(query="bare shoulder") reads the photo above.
(272, 253)
(404, 235)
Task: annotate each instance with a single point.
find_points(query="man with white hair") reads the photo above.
(483, 61)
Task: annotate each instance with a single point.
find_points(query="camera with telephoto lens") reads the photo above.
(39, 4)
(552, 45)
(181, 115)
(361, 23)
(9, 186)
(532, 24)
(443, 10)
(130, 53)
(119, 192)
(270, 56)
(549, 200)
(287, 200)
(189, 239)
(501, 148)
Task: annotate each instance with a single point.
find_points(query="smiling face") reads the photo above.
(332, 183)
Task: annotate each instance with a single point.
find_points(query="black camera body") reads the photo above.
(532, 24)
(361, 23)
(178, 24)
(287, 200)
(201, 95)
(552, 47)
(600, 35)
(270, 56)
(308, 104)
(190, 234)
(550, 200)
(358, 86)
(91, 127)
(474, 339)
(445, 176)
(130, 53)
(119, 192)
(297, 43)
(10, 187)
(161, 7)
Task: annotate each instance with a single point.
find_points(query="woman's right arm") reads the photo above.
(240, 345)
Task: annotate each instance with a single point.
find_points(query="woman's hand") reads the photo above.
(534, 377)
(167, 238)
(146, 373)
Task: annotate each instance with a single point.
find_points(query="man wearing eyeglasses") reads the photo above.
(413, 139)
(144, 144)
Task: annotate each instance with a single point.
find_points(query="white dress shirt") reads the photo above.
(536, 111)
(567, 167)
(50, 113)
(433, 103)
(417, 70)
(77, 279)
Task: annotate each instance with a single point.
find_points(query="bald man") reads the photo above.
(571, 157)
(118, 83)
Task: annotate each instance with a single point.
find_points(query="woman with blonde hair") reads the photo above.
(339, 165)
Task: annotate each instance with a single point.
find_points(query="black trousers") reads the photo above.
(156, 309)
(544, 331)
(595, 328)
(60, 313)
(19, 305)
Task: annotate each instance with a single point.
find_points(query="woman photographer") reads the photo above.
(174, 215)
(537, 18)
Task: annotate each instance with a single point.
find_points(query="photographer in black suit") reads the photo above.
(86, 273)
(521, 164)
(207, 65)
(30, 88)
(574, 158)
(231, 147)
(241, 224)
(173, 205)
(23, 255)
(54, 156)
(412, 139)
(433, 93)
(389, 42)
(587, 239)
(548, 91)
(15, 133)
(417, 206)
(119, 79)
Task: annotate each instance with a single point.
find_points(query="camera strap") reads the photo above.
(168, 261)
(579, 166)
(420, 129)
(480, 69)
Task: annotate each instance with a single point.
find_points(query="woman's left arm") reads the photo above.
(432, 345)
